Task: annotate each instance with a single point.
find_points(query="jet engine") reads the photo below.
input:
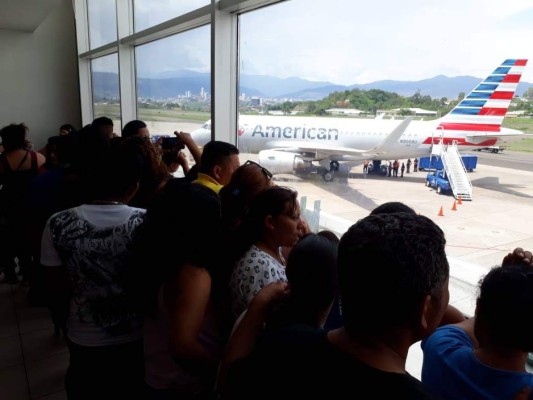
(282, 162)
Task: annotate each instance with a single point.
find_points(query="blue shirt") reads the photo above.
(451, 370)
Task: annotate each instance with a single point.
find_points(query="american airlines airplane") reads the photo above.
(292, 144)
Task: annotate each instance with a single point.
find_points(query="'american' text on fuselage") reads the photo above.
(296, 132)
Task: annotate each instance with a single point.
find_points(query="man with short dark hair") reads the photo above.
(86, 253)
(104, 126)
(219, 160)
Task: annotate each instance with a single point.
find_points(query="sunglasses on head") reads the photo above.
(265, 171)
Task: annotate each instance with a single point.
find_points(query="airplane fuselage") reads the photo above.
(258, 133)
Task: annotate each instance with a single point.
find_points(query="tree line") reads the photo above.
(369, 101)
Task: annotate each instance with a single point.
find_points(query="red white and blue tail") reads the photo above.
(484, 109)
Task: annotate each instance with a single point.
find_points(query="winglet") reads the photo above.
(390, 142)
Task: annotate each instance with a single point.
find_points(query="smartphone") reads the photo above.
(169, 143)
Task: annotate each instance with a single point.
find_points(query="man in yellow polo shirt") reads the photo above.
(219, 160)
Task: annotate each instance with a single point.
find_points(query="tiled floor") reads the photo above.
(32, 359)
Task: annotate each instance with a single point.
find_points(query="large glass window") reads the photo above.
(287, 68)
(148, 13)
(102, 22)
(106, 88)
(173, 82)
(325, 85)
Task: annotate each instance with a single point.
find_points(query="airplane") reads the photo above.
(286, 144)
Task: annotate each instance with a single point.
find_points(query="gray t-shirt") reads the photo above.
(93, 242)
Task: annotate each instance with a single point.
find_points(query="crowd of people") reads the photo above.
(212, 286)
(394, 168)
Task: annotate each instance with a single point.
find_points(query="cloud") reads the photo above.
(152, 12)
(188, 50)
(355, 42)
(348, 42)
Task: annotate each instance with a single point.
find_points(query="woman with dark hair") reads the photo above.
(235, 198)
(155, 172)
(184, 292)
(18, 166)
(305, 302)
(273, 221)
(135, 128)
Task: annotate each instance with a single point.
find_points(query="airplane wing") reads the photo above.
(321, 151)
(390, 142)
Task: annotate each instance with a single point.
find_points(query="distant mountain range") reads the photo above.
(174, 83)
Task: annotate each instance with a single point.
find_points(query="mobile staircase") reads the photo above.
(454, 168)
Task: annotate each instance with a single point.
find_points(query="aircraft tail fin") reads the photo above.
(484, 108)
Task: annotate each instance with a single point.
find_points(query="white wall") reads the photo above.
(39, 75)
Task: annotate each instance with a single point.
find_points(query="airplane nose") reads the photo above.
(201, 136)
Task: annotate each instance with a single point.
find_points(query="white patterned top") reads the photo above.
(252, 272)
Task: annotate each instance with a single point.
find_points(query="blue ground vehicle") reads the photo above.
(438, 180)
(469, 160)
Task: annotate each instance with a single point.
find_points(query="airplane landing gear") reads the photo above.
(377, 168)
(328, 175)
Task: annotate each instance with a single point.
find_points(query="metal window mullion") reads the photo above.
(84, 64)
(126, 62)
(185, 22)
(101, 51)
(240, 6)
(223, 75)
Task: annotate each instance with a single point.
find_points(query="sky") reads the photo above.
(352, 41)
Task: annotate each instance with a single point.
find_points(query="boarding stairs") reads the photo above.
(455, 169)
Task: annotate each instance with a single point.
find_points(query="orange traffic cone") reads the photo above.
(441, 213)
(454, 207)
(459, 200)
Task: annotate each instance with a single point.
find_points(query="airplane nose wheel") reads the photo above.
(328, 176)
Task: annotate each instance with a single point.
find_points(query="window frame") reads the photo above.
(222, 15)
